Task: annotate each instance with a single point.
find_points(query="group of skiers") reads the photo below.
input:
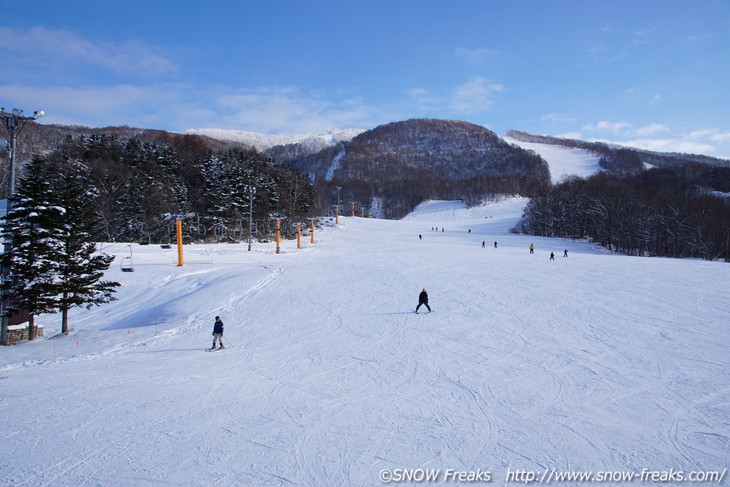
(552, 254)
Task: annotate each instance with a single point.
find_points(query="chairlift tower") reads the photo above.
(179, 216)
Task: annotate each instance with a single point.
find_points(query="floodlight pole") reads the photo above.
(251, 192)
(14, 122)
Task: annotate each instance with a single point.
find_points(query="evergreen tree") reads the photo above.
(80, 272)
(33, 230)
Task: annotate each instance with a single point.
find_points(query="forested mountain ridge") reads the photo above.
(622, 159)
(386, 171)
(441, 148)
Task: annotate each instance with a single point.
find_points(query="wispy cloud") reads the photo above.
(423, 100)
(606, 126)
(289, 109)
(709, 141)
(557, 117)
(53, 53)
(671, 145)
(691, 39)
(651, 129)
(474, 96)
(146, 106)
(711, 134)
(475, 56)
(656, 99)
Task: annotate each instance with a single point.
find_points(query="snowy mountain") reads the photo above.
(403, 163)
(420, 148)
(619, 158)
(594, 364)
(263, 142)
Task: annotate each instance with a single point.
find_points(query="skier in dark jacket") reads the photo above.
(218, 333)
(423, 300)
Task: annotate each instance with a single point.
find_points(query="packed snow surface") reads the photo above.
(589, 363)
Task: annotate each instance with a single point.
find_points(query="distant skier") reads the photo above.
(218, 333)
(532, 248)
(552, 256)
(565, 253)
(495, 244)
(420, 237)
(484, 244)
(423, 300)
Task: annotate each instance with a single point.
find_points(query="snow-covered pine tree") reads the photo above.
(226, 175)
(80, 272)
(131, 225)
(32, 228)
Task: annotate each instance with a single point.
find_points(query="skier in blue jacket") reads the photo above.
(218, 333)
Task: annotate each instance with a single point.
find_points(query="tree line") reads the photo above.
(400, 196)
(141, 185)
(661, 212)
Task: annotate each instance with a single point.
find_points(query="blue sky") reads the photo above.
(652, 74)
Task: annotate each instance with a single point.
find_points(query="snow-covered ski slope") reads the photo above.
(590, 363)
(563, 161)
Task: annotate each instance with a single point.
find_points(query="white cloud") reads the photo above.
(55, 53)
(147, 106)
(556, 117)
(671, 145)
(711, 134)
(424, 99)
(273, 109)
(288, 109)
(475, 55)
(651, 129)
(710, 141)
(720, 137)
(474, 96)
(606, 126)
(690, 39)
